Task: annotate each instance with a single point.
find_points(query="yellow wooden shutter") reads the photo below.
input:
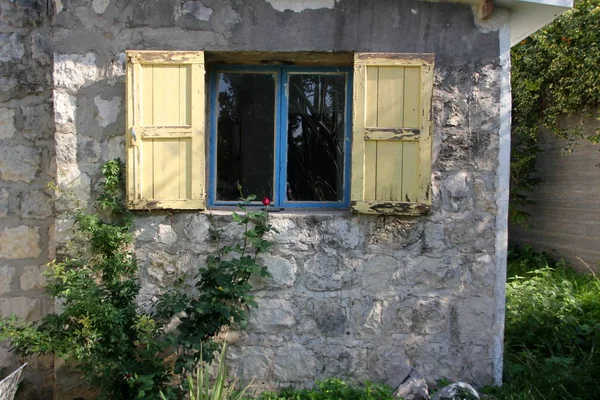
(165, 130)
(391, 148)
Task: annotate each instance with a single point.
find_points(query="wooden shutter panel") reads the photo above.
(165, 130)
(391, 148)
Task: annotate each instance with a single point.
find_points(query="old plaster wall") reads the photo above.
(351, 296)
(26, 154)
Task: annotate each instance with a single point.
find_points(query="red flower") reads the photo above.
(266, 201)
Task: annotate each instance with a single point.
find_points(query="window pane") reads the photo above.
(245, 134)
(316, 127)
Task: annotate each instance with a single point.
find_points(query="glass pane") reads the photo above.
(316, 127)
(245, 134)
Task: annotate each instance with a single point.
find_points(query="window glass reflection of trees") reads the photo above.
(316, 130)
(245, 134)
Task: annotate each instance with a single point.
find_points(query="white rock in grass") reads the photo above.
(456, 391)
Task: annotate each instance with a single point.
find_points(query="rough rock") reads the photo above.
(456, 391)
(73, 71)
(4, 196)
(32, 277)
(197, 10)
(36, 204)
(294, 363)
(271, 315)
(19, 163)
(7, 123)
(414, 388)
(7, 273)
(64, 107)
(11, 47)
(23, 307)
(108, 110)
(20, 242)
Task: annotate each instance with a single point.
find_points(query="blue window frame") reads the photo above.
(281, 132)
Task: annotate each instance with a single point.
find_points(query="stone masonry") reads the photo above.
(358, 297)
(26, 167)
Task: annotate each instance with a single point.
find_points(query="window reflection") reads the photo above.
(245, 134)
(316, 126)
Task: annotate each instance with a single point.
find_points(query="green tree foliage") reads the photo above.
(555, 72)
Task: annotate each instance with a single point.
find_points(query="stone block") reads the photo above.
(37, 121)
(380, 273)
(146, 228)
(100, 6)
(294, 363)
(12, 48)
(36, 204)
(283, 271)
(41, 48)
(367, 315)
(6, 277)
(19, 163)
(342, 233)
(32, 277)
(20, 242)
(7, 123)
(251, 362)
(198, 229)
(73, 71)
(339, 360)
(271, 315)
(26, 308)
(388, 364)
(197, 10)
(329, 314)
(64, 107)
(325, 272)
(166, 234)
(4, 197)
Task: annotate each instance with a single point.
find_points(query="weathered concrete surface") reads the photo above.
(26, 153)
(351, 296)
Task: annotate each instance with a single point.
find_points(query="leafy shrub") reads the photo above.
(120, 348)
(333, 389)
(99, 326)
(224, 292)
(552, 330)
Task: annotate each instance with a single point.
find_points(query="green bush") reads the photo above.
(119, 347)
(552, 330)
(333, 389)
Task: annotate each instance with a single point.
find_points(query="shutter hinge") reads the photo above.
(133, 138)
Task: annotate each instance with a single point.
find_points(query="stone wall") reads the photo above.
(351, 296)
(26, 157)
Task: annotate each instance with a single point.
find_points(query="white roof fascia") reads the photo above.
(528, 16)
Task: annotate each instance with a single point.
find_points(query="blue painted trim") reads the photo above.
(212, 112)
(280, 150)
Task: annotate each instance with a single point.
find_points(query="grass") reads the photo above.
(552, 330)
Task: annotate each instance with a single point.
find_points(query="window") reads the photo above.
(304, 136)
(280, 132)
